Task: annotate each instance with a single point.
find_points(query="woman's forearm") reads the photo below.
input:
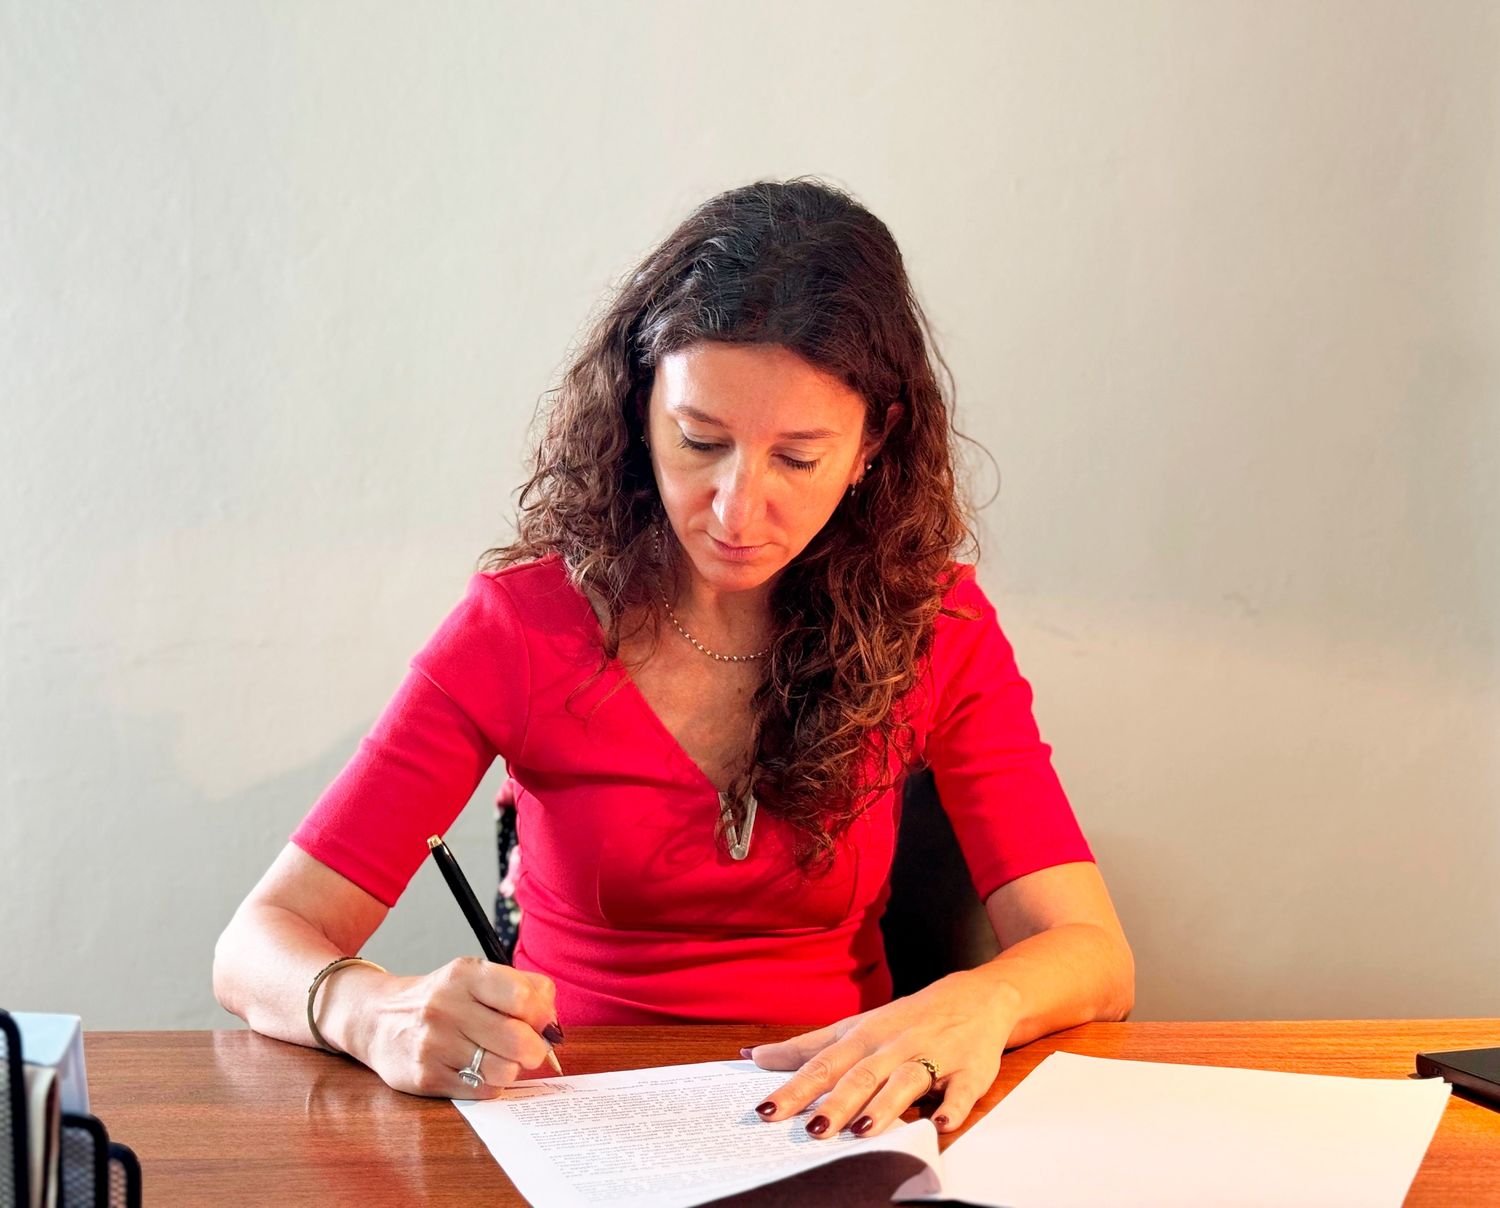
(1070, 974)
(298, 918)
(263, 964)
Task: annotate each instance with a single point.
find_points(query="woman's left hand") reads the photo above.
(866, 1066)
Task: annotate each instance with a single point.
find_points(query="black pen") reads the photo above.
(483, 931)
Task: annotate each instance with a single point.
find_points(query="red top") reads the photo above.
(629, 904)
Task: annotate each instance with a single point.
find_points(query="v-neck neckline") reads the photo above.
(646, 707)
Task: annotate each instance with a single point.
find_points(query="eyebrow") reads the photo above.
(703, 417)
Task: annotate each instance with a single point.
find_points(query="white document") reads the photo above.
(1094, 1131)
(662, 1138)
(1078, 1132)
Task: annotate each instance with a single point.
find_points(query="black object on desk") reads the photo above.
(15, 1167)
(1474, 1073)
(85, 1170)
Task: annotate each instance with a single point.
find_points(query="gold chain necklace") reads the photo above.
(723, 658)
(677, 625)
(738, 835)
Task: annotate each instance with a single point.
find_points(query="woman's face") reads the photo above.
(753, 449)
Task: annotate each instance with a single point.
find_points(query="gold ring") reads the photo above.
(934, 1071)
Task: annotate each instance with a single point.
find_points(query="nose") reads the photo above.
(739, 501)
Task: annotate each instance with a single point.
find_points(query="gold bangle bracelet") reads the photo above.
(312, 992)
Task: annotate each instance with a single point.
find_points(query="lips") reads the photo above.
(738, 552)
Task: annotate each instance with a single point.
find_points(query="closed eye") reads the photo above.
(794, 463)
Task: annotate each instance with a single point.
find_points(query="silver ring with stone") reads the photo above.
(470, 1073)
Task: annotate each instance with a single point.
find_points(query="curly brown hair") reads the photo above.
(803, 265)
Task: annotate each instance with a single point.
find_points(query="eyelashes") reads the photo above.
(792, 462)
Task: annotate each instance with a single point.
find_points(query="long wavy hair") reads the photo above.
(802, 265)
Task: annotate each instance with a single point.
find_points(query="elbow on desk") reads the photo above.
(1112, 981)
(1124, 997)
(223, 973)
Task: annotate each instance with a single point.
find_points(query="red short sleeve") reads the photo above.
(462, 703)
(993, 772)
(478, 657)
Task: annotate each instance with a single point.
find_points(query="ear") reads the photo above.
(873, 444)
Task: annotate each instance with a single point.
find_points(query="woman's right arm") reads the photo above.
(415, 1032)
(464, 699)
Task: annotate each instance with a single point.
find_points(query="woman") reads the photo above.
(729, 625)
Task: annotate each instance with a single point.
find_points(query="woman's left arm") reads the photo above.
(1064, 960)
(1063, 951)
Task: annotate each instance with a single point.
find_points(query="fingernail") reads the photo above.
(767, 1109)
(818, 1125)
(861, 1126)
(745, 1053)
(940, 1121)
(552, 1033)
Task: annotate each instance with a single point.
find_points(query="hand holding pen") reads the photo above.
(473, 1075)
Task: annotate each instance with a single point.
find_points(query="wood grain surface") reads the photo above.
(230, 1117)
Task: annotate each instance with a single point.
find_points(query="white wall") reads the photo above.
(280, 286)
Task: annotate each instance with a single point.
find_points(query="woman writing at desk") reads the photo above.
(730, 623)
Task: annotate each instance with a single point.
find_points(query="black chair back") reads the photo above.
(934, 923)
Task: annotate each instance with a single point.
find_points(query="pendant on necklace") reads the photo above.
(739, 843)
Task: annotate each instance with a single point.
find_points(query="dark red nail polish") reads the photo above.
(552, 1033)
(861, 1126)
(745, 1053)
(767, 1109)
(940, 1121)
(818, 1125)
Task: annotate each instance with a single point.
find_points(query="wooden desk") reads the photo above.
(233, 1118)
